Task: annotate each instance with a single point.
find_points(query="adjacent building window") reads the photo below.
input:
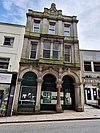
(8, 41)
(36, 25)
(96, 66)
(67, 53)
(33, 50)
(87, 66)
(66, 30)
(51, 50)
(4, 62)
(51, 28)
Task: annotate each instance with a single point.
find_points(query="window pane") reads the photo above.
(97, 66)
(33, 51)
(47, 45)
(34, 47)
(4, 63)
(67, 53)
(67, 57)
(55, 54)
(52, 28)
(67, 30)
(28, 94)
(46, 53)
(87, 66)
(56, 46)
(33, 54)
(36, 26)
(8, 41)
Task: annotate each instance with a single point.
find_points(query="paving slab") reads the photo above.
(89, 113)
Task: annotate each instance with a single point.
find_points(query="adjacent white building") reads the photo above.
(11, 43)
(90, 67)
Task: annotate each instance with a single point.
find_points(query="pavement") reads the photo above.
(89, 113)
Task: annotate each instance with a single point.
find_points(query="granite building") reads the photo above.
(49, 75)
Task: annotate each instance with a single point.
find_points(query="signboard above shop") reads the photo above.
(5, 78)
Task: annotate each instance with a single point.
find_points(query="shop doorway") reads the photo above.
(69, 93)
(28, 92)
(49, 93)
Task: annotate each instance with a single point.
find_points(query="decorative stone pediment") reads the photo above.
(53, 10)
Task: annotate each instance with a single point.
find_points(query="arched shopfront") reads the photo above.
(68, 92)
(28, 92)
(49, 93)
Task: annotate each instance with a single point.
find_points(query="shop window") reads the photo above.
(33, 50)
(95, 93)
(8, 41)
(96, 66)
(87, 66)
(36, 26)
(67, 53)
(66, 30)
(28, 94)
(4, 93)
(4, 62)
(28, 88)
(51, 28)
(88, 93)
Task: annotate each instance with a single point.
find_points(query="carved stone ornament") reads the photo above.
(53, 8)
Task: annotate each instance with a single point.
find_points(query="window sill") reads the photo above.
(6, 46)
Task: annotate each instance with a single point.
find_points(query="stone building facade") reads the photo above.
(49, 76)
(90, 67)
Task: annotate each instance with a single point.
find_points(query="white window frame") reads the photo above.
(36, 26)
(68, 54)
(52, 26)
(56, 50)
(9, 43)
(32, 43)
(67, 29)
(51, 50)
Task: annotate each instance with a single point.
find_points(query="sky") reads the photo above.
(87, 12)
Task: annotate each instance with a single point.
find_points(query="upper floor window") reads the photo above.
(36, 25)
(8, 41)
(66, 30)
(33, 50)
(51, 28)
(56, 50)
(4, 62)
(67, 53)
(96, 66)
(46, 49)
(87, 66)
(51, 50)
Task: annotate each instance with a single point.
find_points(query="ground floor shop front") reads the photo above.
(48, 88)
(7, 87)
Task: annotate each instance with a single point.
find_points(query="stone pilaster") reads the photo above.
(79, 105)
(39, 85)
(16, 96)
(59, 86)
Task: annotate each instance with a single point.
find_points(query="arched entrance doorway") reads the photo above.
(27, 97)
(69, 92)
(49, 93)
